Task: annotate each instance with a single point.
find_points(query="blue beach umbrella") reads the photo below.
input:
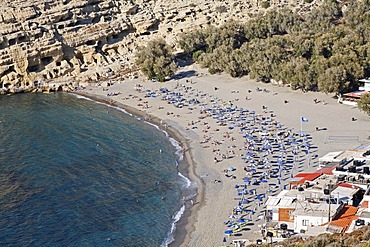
(249, 137)
(263, 181)
(240, 220)
(245, 201)
(228, 232)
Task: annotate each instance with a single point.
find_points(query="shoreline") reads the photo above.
(186, 167)
(203, 223)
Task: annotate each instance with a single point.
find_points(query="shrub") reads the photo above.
(364, 104)
(265, 4)
(156, 60)
(212, 70)
(221, 9)
(197, 54)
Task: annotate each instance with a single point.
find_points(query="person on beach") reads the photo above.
(252, 125)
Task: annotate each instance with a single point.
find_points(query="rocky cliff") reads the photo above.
(88, 39)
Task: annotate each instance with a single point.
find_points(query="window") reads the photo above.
(305, 222)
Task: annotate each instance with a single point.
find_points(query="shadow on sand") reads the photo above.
(184, 74)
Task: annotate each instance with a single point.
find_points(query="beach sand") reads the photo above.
(329, 124)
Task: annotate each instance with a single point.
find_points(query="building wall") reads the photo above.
(367, 198)
(275, 214)
(367, 86)
(284, 214)
(303, 221)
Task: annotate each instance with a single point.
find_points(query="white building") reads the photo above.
(301, 209)
(314, 214)
(351, 98)
(363, 212)
(311, 206)
(366, 86)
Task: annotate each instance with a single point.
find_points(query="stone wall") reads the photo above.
(46, 39)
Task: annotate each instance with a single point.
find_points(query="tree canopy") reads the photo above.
(325, 50)
(156, 60)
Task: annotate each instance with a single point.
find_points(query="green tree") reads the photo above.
(303, 46)
(326, 49)
(332, 80)
(322, 18)
(156, 60)
(193, 41)
(364, 103)
(231, 34)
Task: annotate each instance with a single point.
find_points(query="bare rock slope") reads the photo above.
(88, 39)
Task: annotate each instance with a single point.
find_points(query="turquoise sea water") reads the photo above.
(74, 172)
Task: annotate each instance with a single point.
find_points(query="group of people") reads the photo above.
(269, 153)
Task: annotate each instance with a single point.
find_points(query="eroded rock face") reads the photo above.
(47, 39)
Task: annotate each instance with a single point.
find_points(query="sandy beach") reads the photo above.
(212, 146)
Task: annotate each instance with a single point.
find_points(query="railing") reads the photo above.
(343, 138)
